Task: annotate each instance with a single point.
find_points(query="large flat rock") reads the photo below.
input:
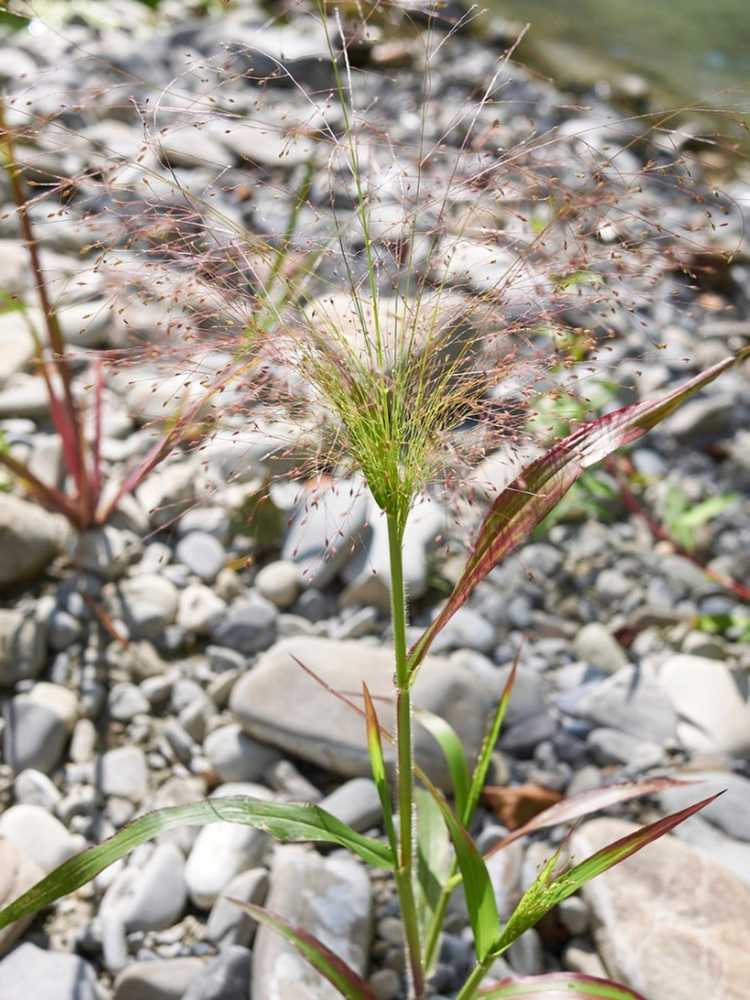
(278, 703)
(670, 922)
(711, 702)
(331, 899)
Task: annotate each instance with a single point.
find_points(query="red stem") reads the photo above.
(55, 336)
(657, 529)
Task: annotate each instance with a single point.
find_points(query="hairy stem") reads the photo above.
(404, 753)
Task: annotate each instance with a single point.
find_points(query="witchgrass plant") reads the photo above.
(393, 383)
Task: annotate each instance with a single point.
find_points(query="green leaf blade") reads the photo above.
(434, 859)
(489, 742)
(450, 743)
(480, 896)
(295, 823)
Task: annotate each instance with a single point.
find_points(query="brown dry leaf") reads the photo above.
(517, 804)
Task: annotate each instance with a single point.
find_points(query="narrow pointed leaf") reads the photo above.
(282, 820)
(542, 484)
(434, 858)
(488, 745)
(588, 802)
(96, 444)
(559, 986)
(65, 423)
(478, 891)
(548, 891)
(377, 765)
(328, 964)
(453, 751)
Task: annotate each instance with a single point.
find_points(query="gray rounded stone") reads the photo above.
(237, 757)
(63, 629)
(107, 551)
(249, 625)
(278, 703)
(629, 700)
(712, 707)
(203, 554)
(34, 735)
(39, 835)
(159, 979)
(123, 772)
(670, 922)
(227, 923)
(223, 850)
(151, 897)
(596, 645)
(34, 788)
(126, 701)
(30, 971)
(200, 609)
(30, 538)
(227, 977)
(355, 803)
(279, 582)
(17, 873)
(147, 603)
(23, 645)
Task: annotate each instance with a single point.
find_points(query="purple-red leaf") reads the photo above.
(559, 986)
(96, 444)
(588, 802)
(328, 964)
(542, 484)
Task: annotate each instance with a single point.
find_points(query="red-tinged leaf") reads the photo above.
(49, 496)
(379, 773)
(576, 806)
(623, 848)
(549, 890)
(64, 423)
(96, 444)
(328, 964)
(559, 986)
(542, 484)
